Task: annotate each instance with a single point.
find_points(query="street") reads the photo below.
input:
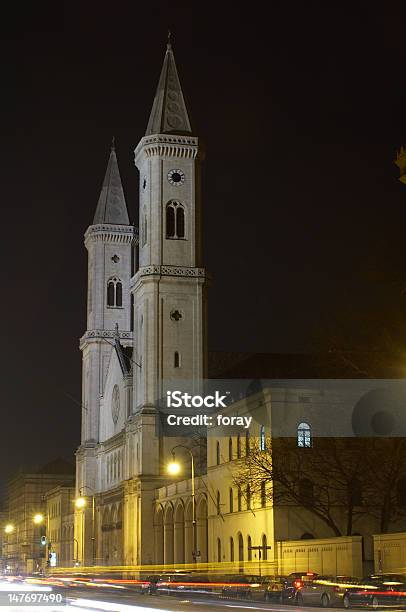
(81, 599)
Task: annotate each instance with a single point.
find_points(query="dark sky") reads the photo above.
(301, 107)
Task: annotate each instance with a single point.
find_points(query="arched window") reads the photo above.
(239, 500)
(230, 449)
(110, 294)
(262, 438)
(218, 501)
(264, 548)
(263, 494)
(170, 221)
(355, 492)
(240, 548)
(248, 497)
(180, 222)
(306, 492)
(176, 360)
(231, 496)
(114, 293)
(218, 550)
(175, 220)
(218, 453)
(239, 446)
(247, 443)
(401, 492)
(119, 294)
(231, 549)
(249, 545)
(304, 435)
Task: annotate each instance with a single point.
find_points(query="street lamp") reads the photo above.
(174, 469)
(38, 518)
(9, 528)
(81, 503)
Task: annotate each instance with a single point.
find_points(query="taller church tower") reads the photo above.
(169, 291)
(169, 287)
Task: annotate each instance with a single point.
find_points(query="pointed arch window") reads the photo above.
(304, 435)
(218, 453)
(240, 547)
(238, 446)
(249, 547)
(218, 550)
(176, 360)
(239, 500)
(175, 220)
(180, 222)
(114, 293)
(231, 495)
(248, 497)
(231, 549)
(230, 449)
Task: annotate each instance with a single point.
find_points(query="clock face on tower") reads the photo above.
(176, 177)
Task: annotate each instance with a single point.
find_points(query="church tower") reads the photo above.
(169, 288)
(169, 294)
(109, 244)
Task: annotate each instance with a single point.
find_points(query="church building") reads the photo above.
(147, 331)
(144, 326)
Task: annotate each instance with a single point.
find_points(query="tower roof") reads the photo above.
(169, 113)
(111, 207)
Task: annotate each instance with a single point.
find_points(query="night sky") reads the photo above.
(301, 109)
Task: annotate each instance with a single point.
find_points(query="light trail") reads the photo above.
(89, 604)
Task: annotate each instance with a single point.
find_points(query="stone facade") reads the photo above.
(154, 331)
(26, 496)
(59, 507)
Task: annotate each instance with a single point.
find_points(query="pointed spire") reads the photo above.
(111, 207)
(169, 113)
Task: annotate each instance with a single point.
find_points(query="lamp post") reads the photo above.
(81, 503)
(174, 469)
(76, 561)
(38, 520)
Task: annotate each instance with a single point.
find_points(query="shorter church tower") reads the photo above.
(109, 243)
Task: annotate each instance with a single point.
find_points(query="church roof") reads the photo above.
(57, 466)
(330, 365)
(124, 354)
(111, 207)
(169, 114)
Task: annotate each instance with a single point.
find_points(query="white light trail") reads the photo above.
(89, 604)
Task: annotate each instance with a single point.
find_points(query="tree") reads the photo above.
(337, 479)
(385, 487)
